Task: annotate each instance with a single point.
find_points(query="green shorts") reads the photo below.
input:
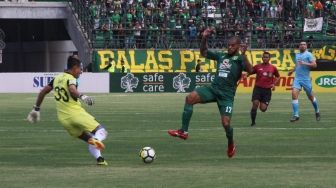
(209, 94)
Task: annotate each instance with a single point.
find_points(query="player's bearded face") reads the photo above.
(232, 47)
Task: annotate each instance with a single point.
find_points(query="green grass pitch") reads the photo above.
(275, 153)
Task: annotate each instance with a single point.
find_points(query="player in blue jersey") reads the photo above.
(304, 62)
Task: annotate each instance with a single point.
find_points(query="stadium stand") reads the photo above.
(177, 24)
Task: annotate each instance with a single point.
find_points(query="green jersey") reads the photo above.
(115, 18)
(229, 70)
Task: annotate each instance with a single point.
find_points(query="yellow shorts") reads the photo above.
(79, 123)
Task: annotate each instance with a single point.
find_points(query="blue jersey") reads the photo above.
(302, 72)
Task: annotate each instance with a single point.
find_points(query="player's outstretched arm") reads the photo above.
(76, 95)
(253, 71)
(34, 115)
(204, 42)
(248, 65)
(249, 68)
(42, 94)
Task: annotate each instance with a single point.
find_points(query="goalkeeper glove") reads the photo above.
(34, 115)
(86, 99)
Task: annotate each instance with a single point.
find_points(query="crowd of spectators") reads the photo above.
(178, 23)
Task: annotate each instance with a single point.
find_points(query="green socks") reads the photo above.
(229, 134)
(186, 116)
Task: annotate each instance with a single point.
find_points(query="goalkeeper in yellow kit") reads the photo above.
(72, 116)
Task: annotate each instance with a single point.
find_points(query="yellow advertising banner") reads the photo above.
(322, 81)
(144, 61)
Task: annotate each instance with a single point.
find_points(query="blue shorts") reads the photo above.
(305, 84)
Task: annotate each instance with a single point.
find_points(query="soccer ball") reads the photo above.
(147, 154)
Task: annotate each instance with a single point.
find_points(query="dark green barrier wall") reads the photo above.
(158, 82)
(322, 81)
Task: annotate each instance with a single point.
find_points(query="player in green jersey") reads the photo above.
(222, 90)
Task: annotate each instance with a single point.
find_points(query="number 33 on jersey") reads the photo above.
(65, 104)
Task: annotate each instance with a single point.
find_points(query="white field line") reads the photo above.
(205, 129)
(214, 122)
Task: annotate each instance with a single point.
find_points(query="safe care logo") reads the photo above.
(327, 81)
(181, 82)
(128, 82)
(153, 82)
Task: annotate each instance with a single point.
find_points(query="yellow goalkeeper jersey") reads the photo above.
(66, 106)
